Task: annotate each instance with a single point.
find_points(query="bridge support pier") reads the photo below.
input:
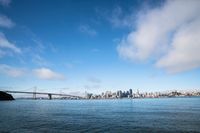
(50, 96)
(34, 96)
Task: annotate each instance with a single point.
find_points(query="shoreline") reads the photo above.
(109, 98)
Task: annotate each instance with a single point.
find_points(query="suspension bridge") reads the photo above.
(50, 95)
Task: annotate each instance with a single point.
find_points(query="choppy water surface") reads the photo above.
(136, 115)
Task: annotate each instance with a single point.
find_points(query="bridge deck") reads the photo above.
(42, 93)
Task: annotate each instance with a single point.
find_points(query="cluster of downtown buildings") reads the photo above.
(130, 94)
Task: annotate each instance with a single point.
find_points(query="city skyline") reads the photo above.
(95, 46)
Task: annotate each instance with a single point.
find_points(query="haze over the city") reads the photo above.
(94, 46)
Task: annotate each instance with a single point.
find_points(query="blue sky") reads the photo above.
(94, 45)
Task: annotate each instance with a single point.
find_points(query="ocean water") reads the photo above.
(170, 115)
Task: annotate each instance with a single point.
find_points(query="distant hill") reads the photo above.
(5, 96)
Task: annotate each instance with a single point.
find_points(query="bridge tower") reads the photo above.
(50, 96)
(34, 93)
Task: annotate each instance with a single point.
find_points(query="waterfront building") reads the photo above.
(119, 94)
(130, 92)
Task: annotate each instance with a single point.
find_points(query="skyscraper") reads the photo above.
(130, 92)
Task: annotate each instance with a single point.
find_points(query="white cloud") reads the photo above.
(11, 71)
(168, 34)
(6, 22)
(5, 44)
(87, 30)
(184, 54)
(47, 74)
(41, 73)
(5, 3)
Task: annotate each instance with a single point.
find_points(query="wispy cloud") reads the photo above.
(119, 19)
(6, 46)
(52, 48)
(94, 80)
(40, 61)
(5, 3)
(47, 74)
(6, 22)
(39, 44)
(37, 48)
(87, 30)
(11, 71)
(92, 86)
(93, 83)
(168, 34)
